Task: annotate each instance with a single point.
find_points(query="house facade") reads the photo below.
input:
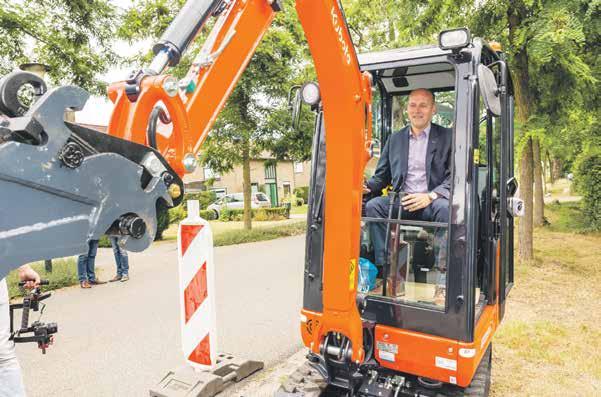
(277, 179)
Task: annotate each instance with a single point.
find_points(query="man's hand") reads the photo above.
(29, 276)
(366, 188)
(416, 201)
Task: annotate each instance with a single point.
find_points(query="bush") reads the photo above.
(104, 242)
(588, 183)
(204, 198)
(259, 214)
(180, 212)
(302, 192)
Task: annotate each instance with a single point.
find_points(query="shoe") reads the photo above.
(97, 282)
(124, 278)
(85, 284)
(116, 278)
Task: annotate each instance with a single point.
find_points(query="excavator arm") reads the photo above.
(63, 184)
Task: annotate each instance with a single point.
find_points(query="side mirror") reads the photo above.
(515, 205)
(512, 187)
(489, 90)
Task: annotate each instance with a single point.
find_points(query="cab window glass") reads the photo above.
(444, 116)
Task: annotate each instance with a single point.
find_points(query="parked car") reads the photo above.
(236, 201)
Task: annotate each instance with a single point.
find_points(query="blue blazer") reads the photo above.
(392, 166)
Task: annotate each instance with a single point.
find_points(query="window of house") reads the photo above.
(286, 187)
(270, 171)
(298, 167)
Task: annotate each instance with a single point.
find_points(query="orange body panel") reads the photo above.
(434, 357)
(346, 103)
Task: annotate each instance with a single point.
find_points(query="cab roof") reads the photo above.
(399, 54)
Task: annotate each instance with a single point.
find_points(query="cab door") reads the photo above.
(508, 186)
(496, 184)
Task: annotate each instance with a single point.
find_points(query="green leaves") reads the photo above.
(72, 37)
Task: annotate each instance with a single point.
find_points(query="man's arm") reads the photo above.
(382, 175)
(444, 189)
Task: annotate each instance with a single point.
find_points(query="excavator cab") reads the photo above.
(415, 342)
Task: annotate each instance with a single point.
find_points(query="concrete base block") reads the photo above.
(188, 382)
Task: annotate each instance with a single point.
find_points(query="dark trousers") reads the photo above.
(437, 211)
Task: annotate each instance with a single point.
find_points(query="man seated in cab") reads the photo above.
(416, 161)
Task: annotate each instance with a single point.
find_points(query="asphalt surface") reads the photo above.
(119, 339)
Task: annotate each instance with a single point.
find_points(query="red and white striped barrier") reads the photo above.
(197, 289)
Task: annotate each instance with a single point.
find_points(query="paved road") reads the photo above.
(119, 339)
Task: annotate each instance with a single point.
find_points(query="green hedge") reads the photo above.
(302, 192)
(180, 212)
(258, 214)
(588, 183)
(204, 198)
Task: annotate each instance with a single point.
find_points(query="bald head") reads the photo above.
(420, 109)
(423, 92)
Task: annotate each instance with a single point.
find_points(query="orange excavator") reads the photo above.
(372, 329)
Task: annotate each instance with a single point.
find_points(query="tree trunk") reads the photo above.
(246, 187)
(543, 164)
(516, 14)
(556, 168)
(550, 167)
(525, 251)
(539, 199)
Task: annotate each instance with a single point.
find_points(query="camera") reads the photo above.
(38, 332)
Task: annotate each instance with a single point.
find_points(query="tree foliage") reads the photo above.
(73, 37)
(552, 48)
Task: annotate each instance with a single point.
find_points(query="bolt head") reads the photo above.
(190, 162)
(170, 86)
(175, 191)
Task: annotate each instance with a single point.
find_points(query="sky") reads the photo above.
(98, 109)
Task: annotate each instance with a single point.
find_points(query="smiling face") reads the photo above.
(420, 109)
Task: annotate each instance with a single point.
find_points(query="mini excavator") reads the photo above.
(61, 181)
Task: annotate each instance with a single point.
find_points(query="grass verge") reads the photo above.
(64, 274)
(565, 217)
(239, 236)
(550, 342)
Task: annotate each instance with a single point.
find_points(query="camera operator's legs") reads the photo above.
(11, 380)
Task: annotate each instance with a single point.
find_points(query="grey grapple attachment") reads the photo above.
(62, 184)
